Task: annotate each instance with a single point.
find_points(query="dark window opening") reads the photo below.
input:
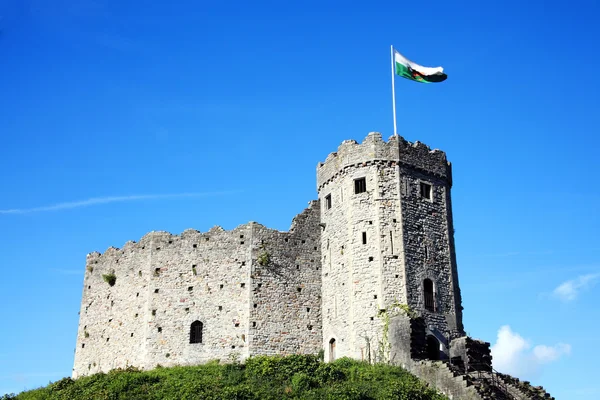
(425, 190)
(307, 309)
(190, 288)
(254, 324)
(328, 201)
(370, 258)
(195, 246)
(220, 308)
(360, 185)
(332, 350)
(153, 312)
(364, 237)
(196, 332)
(428, 292)
(242, 285)
(159, 329)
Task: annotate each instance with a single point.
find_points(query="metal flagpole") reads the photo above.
(393, 91)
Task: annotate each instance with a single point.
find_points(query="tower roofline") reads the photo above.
(373, 148)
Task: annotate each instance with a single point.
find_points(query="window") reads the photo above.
(332, 350)
(364, 237)
(328, 201)
(428, 292)
(196, 332)
(425, 190)
(360, 185)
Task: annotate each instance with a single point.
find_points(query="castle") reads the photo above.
(379, 240)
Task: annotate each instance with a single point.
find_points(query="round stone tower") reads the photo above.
(387, 239)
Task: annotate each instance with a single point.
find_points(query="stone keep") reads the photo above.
(380, 234)
(387, 239)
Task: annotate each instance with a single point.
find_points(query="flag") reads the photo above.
(415, 72)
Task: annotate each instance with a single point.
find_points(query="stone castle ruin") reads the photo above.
(367, 271)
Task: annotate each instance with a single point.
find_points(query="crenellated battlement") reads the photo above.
(374, 149)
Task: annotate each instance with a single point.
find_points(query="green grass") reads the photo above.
(260, 378)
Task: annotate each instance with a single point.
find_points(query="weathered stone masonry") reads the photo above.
(371, 241)
(166, 282)
(383, 239)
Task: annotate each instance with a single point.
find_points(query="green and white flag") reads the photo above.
(415, 72)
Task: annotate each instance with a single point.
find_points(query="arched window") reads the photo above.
(332, 350)
(433, 348)
(196, 332)
(428, 292)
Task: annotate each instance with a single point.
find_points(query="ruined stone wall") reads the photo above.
(112, 322)
(285, 312)
(163, 284)
(166, 282)
(360, 279)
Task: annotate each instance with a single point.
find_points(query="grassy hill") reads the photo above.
(260, 378)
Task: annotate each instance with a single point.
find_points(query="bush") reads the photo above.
(260, 378)
(111, 278)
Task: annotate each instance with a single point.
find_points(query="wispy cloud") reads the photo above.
(513, 354)
(109, 199)
(569, 290)
(63, 271)
(515, 254)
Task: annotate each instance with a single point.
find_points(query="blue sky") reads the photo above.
(118, 118)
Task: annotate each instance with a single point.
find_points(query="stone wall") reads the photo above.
(166, 282)
(285, 312)
(379, 246)
(345, 260)
(428, 250)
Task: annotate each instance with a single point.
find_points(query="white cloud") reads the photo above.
(546, 354)
(568, 291)
(513, 354)
(110, 199)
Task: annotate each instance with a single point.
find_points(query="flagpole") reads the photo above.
(393, 90)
